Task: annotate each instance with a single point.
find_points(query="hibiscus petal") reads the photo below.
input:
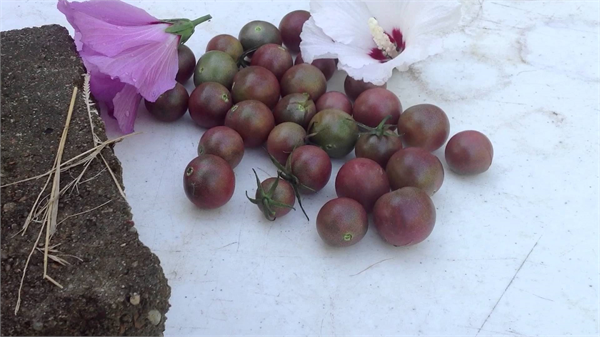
(126, 104)
(111, 11)
(150, 68)
(316, 45)
(344, 21)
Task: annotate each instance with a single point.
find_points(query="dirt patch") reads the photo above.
(113, 285)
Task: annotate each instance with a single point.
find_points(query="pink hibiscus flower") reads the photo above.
(128, 53)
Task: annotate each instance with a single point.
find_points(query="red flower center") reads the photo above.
(397, 39)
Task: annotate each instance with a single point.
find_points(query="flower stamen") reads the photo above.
(382, 40)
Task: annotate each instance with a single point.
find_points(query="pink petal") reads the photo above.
(126, 104)
(111, 40)
(111, 11)
(150, 68)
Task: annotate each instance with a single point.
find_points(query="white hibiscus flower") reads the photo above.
(370, 39)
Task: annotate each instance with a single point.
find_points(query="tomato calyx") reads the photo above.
(265, 198)
(381, 130)
(285, 172)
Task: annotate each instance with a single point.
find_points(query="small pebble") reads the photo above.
(9, 207)
(135, 264)
(134, 299)
(154, 316)
(133, 229)
(37, 326)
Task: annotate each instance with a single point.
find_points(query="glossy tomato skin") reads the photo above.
(373, 105)
(215, 66)
(227, 44)
(255, 83)
(186, 62)
(326, 66)
(284, 193)
(291, 27)
(334, 100)
(274, 58)
(404, 217)
(362, 180)
(312, 167)
(252, 120)
(342, 222)
(304, 78)
(469, 152)
(415, 167)
(297, 108)
(377, 148)
(353, 88)
(257, 33)
(223, 142)
(209, 103)
(171, 105)
(334, 131)
(283, 139)
(425, 126)
(208, 181)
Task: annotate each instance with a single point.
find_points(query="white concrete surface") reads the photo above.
(514, 251)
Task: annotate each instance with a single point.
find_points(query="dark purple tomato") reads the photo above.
(373, 105)
(326, 66)
(255, 83)
(257, 33)
(274, 58)
(354, 88)
(312, 168)
(404, 217)
(334, 100)
(187, 62)
(363, 180)
(208, 181)
(415, 167)
(275, 197)
(469, 152)
(295, 108)
(215, 66)
(252, 120)
(342, 222)
(223, 142)
(334, 131)
(425, 126)
(291, 27)
(377, 148)
(283, 139)
(209, 103)
(227, 44)
(171, 105)
(304, 78)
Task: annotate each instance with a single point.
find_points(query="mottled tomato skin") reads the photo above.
(223, 142)
(326, 66)
(284, 193)
(283, 139)
(373, 105)
(255, 83)
(363, 180)
(215, 66)
(342, 222)
(291, 27)
(227, 44)
(257, 33)
(334, 100)
(186, 61)
(304, 78)
(425, 126)
(404, 217)
(209, 103)
(274, 58)
(171, 105)
(208, 181)
(354, 88)
(469, 152)
(252, 120)
(335, 131)
(312, 166)
(377, 148)
(297, 108)
(415, 167)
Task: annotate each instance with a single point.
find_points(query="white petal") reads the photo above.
(417, 17)
(344, 21)
(316, 44)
